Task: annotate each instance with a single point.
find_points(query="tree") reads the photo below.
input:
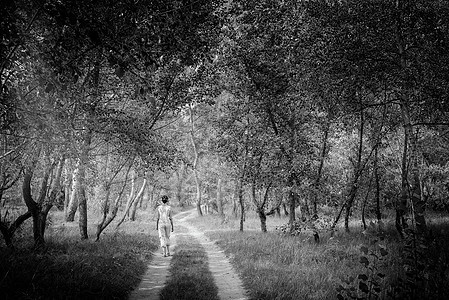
(195, 160)
(393, 48)
(263, 38)
(77, 57)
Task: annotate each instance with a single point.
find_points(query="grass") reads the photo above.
(109, 269)
(190, 276)
(274, 266)
(68, 268)
(252, 223)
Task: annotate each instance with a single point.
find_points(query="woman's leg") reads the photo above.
(167, 235)
(162, 239)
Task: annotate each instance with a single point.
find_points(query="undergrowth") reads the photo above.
(362, 264)
(69, 268)
(285, 267)
(422, 274)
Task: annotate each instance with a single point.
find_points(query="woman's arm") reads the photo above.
(171, 221)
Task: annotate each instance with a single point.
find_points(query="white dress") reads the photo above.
(164, 215)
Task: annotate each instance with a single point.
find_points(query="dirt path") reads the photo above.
(155, 277)
(228, 283)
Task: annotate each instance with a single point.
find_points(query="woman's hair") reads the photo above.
(164, 199)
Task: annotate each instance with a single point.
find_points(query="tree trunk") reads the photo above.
(106, 188)
(219, 198)
(411, 189)
(350, 200)
(401, 205)
(8, 232)
(365, 201)
(108, 216)
(260, 206)
(411, 184)
(7, 236)
(130, 202)
(83, 213)
(317, 182)
(133, 208)
(292, 202)
(146, 198)
(34, 208)
(180, 174)
(284, 207)
(179, 188)
(73, 202)
(67, 189)
(81, 192)
(241, 201)
(263, 219)
(306, 208)
(139, 195)
(276, 209)
(195, 162)
(242, 209)
(377, 184)
(53, 195)
(235, 196)
(357, 172)
(198, 195)
(131, 192)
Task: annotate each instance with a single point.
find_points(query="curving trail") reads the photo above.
(155, 277)
(229, 285)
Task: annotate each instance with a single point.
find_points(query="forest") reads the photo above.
(329, 115)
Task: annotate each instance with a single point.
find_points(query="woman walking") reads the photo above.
(164, 225)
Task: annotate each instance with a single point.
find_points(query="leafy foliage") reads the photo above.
(424, 266)
(313, 225)
(371, 283)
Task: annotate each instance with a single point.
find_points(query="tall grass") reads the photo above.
(274, 266)
(68, 268)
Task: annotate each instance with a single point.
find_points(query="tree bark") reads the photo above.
(357, 171)
(110, 214)
(317, 182)
(130, 202)
(242, 204)
(240, 194)
(292, 203)
(235, 196)
(73, 202)
(83, 213)
(365, 201)
(81, 188)
(219, 198)
(53, 195)
(8, 232)
(410, 185)
(132, 216)
(145, 198)
(180, 175)
(67, 187)
(35, 208)
(131, 192)
(260, 206)
(195, 162)
(377, 184)
(276, 209)
(411, 188)
(284, 207)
